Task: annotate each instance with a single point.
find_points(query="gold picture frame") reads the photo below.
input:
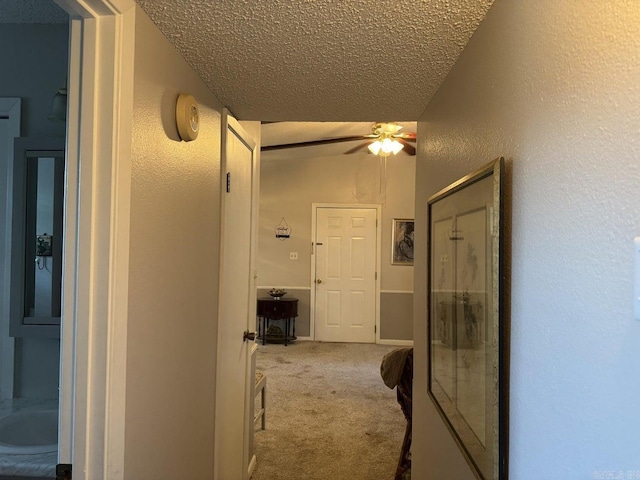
(467, 329)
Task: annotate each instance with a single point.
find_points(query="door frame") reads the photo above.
(10, 110)
(312, 299)
(96, 241)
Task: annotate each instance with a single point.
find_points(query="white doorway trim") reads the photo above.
(96, 240)
(10, 113)
(312, 298)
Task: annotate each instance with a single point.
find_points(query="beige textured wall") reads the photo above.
(396, 316)
(552, 86)
(290, 186)
(175, 205)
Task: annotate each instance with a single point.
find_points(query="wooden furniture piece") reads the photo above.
(396, 370)
(260, 388)
(277, 309)
(404, 391)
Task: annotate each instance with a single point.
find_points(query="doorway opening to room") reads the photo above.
(33, 93)
(327, 217)
(300, 169)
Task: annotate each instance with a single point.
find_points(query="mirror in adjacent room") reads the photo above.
(36, 270)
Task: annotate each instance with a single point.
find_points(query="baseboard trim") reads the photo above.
(382, 341)
(265, 287)
(399, 343)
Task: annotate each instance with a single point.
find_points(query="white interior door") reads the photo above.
(345, 283)
(237, 305)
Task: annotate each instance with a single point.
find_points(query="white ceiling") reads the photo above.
(320, 60)
(294, 132)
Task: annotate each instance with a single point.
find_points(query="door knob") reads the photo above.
(318, 281)
(249, 336)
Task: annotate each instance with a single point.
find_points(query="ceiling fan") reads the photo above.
(384, 140)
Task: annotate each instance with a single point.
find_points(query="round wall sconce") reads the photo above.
(59, 106)
(187, 117)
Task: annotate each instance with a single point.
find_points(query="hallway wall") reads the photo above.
(553, 87)
(174, 265)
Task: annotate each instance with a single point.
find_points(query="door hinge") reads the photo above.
(376, 276)
(375, 329)
(63, 471)
(228, 182)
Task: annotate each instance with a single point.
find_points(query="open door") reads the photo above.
(237, 307)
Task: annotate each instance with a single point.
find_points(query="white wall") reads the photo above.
(174, 251)
(554, 87)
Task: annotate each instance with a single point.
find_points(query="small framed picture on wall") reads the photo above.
(402, 242)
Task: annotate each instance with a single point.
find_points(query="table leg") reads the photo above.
(259, 327)
(286, 330)
(265, 329)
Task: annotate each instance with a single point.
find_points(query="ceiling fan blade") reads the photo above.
(408, 148)
(409, 137)
(355, 149)
(313, 143)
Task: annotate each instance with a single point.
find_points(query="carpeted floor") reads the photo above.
(329, 415)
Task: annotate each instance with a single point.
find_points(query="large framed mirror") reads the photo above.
(467, 328)
(36, 236)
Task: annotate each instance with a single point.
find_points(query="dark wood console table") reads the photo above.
(277, 309)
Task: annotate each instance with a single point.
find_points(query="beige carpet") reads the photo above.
(329, 415)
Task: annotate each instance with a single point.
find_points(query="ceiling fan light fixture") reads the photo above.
(385, 146)
(386, 128)
(375, 147)
(396, 146)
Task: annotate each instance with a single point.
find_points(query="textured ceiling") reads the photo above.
(320, 60)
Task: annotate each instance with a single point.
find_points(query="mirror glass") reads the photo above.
(36, 237)
(43, 229)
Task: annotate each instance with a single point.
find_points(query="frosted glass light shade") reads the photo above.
(385, 147)
(396, 147)
(59, 106)
(374, 147)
